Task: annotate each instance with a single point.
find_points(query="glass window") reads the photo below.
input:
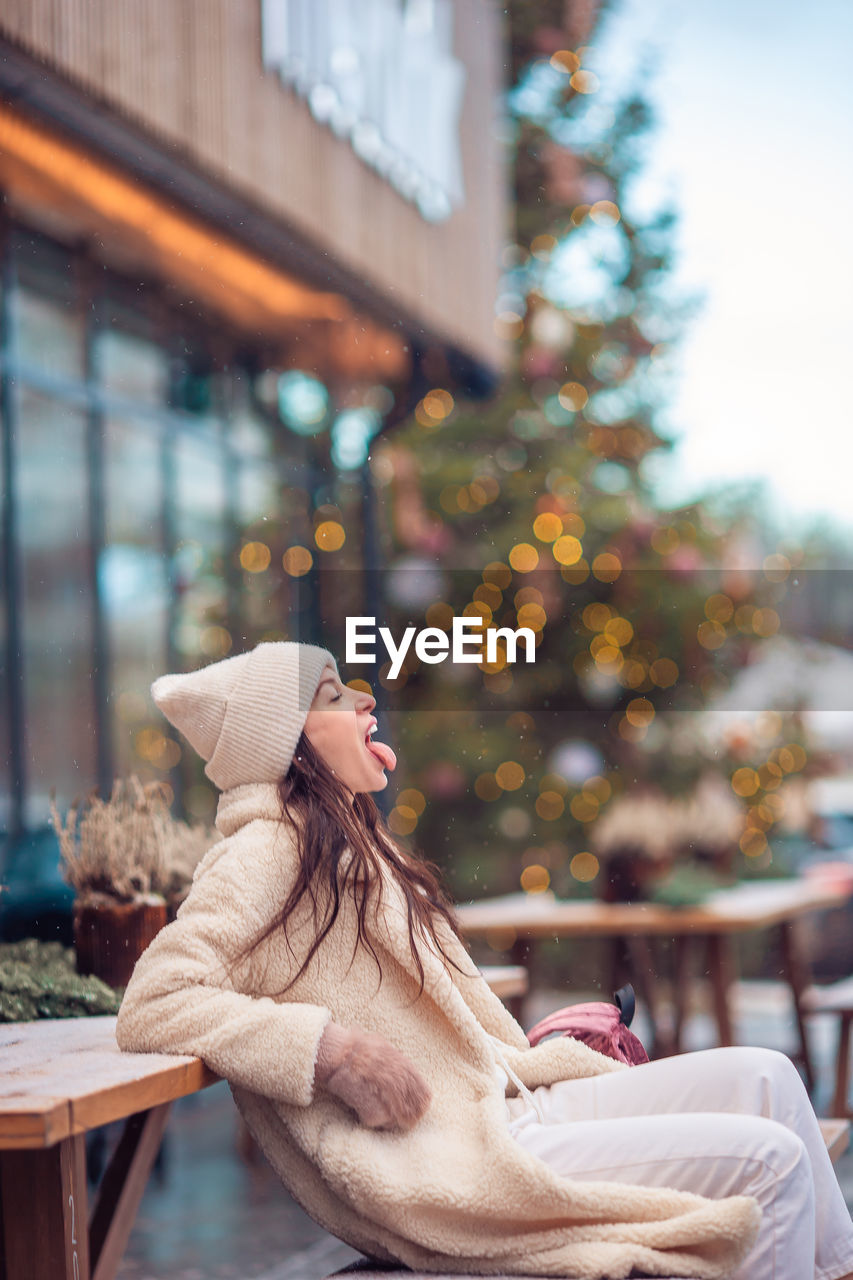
(134, 590)
(5, 604)
(258, 497)
(250, 430)
(57, 604)
(201, 545)
(250, 440)
(48, 333)
(204, 494)
(131, 366)
(47, 316)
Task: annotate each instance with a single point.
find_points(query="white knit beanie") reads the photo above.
(244, 714)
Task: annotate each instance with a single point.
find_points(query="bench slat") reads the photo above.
(836, 1135)
(62, 1076)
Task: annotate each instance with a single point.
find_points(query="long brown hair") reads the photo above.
(328, 820)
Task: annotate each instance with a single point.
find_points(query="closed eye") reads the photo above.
(336, 698)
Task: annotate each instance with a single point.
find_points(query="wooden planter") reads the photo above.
(110, 939)
(629, 876)
(719, 858)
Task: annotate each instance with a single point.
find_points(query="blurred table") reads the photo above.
(632, 926)
(58, 1079)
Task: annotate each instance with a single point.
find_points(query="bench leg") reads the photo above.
(122, 1187)
(523, 952)
(680, 989)
(45, 1216)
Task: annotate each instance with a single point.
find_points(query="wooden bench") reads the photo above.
(836, 998)
(58, 1080)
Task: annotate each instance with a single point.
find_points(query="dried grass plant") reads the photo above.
(639, 823)
(129, 847)
(655, 827)
(710, 819)
(186, 845)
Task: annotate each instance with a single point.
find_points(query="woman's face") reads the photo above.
(337, 727)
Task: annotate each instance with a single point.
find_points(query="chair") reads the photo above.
(509, 981)
(836, 998)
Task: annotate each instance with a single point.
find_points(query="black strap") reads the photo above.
(626, 1002)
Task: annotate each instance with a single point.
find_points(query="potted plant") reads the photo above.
(185, 845)
(633, 841)
(707, 825)
(128, 861)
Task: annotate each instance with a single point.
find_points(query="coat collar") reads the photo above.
(239, 805)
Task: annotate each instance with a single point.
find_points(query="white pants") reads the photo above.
(720, 1122)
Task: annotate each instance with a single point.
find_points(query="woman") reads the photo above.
(316, 966)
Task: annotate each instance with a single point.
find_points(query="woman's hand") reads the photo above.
(366, 1072)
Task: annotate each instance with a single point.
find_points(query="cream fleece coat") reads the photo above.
(456, 1193)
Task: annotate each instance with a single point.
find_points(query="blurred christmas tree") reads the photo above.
(536, 512)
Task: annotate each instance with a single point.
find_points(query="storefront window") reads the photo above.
(54, 555)
(132, 366)
(5, 728)
(202, 493)
(134, 588)
(250, 441)
(48, 334)
(48, 331)
(202, 543)
(258, 495)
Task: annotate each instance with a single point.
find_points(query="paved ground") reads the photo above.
(212, 1215)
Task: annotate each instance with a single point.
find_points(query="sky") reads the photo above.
(754, 145)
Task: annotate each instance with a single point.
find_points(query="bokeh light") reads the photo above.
(255, 557)
(297, 561)
(329, 535)
(303, 403)
(584, 867)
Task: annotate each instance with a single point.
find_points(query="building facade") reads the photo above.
(240, 239)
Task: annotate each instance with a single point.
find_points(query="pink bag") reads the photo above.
(601, 1026)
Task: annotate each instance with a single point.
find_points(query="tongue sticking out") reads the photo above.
(383, 754)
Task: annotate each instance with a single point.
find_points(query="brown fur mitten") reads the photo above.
(367, 1073)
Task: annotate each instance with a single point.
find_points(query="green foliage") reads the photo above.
(39, 980)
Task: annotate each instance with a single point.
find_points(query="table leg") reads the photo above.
(522, 952)
(631, 960)
(121, 1188)
(796, 971)
(45, 1214)
(721, 970)
(644, 973)
(619, 963)
(680, 989)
